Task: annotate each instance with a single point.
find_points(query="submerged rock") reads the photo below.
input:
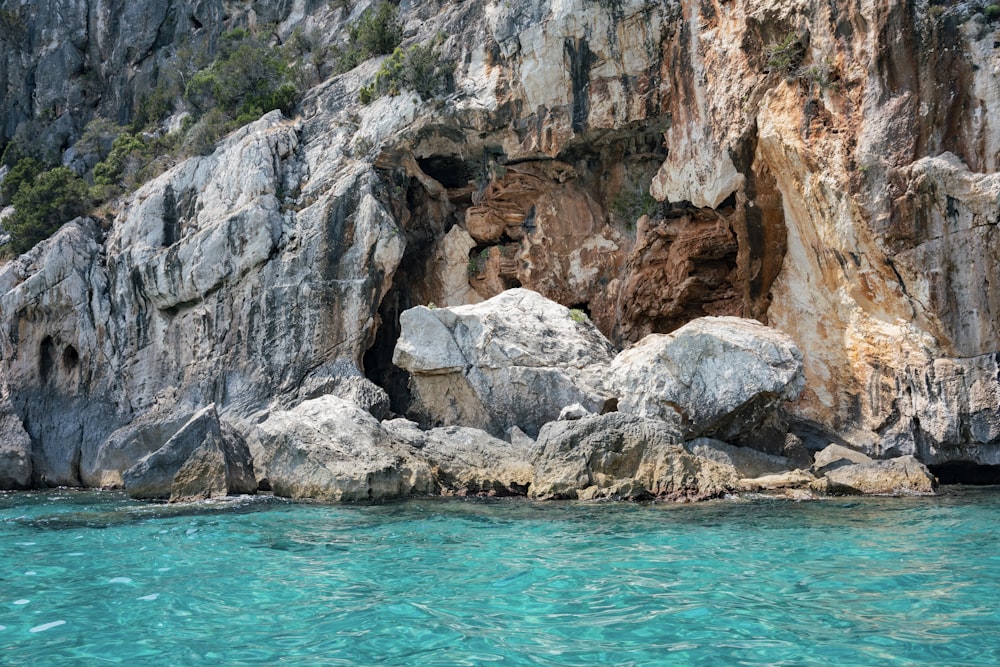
(622, 456)
(514, 360)
(205, 458)
(720, 376)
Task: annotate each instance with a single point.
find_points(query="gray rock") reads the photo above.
(206, 458)
(349, 385)
(514, 360)
(903, 475)
(468, 461)
(790, 479)
(575, 411)
(834, 456)
(622, 456)
(15, 452)
(722, 376)
(103, 466)
(330, 449)
(747, 462)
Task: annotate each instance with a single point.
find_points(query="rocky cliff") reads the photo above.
(827, 168)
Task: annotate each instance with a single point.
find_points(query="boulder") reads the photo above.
(104, 465)
(747, 462)
(904, 475)
(15, 452)
(467, 461)
(834, 456)
(790, 479)
(346, 382)
(205, 458)
(721, 376)
(331, 449)
(514, 360)
(622, 456)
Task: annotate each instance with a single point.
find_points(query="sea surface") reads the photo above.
(96, 579)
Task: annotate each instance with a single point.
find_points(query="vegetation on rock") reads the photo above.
(42, 204)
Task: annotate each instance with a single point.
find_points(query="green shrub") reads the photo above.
(785, 55)
(248, 79)
(633, 203)
(577, 315)
(418, 68)
(377, 33)
(206, 132)
(128, 155)
(24, 171)
(992, 13)
(43, 205)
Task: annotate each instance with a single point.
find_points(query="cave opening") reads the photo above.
(966, 472)
(422, 219)
(70, 358)
(46, 358)
(448, 170)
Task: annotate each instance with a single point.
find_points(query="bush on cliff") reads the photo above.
(377, 33)
(43, 204)
(249, 78)
(418, 68)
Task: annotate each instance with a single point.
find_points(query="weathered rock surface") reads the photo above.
(720, 376)
(331, 449)
(205, 458)
(467, 461)
(622, 456)
(834, 456)
(747, 462)
(15, 452)
(903, 475)
(514, 360)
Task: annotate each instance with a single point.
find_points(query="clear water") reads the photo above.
(94, 579)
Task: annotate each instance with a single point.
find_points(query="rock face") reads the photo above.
(644, 163)
(720, 376)
(515, 360)
(206, 458)
(622, 456)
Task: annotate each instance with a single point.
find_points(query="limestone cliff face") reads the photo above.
(646, 162)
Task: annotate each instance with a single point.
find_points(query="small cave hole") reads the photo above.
(46, 358)
(448, 170)
(70, 358)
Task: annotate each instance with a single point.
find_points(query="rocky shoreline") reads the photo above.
(607, 202)
(519, 396)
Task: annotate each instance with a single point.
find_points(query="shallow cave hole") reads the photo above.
(966, 472)
(448, 170)
(70, 358)
(46, 358)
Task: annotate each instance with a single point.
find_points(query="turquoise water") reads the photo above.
(95, 579)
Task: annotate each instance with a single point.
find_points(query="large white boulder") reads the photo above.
(514, 360)
(719, 376)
